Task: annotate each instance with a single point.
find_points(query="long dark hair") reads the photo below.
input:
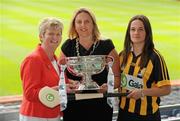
(148, 46)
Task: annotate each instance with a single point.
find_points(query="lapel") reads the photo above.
(47, 62)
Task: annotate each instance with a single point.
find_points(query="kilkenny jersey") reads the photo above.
(154, 74)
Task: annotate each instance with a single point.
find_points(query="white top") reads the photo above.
(55, 65)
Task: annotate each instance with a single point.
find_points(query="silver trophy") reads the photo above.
(86, 66)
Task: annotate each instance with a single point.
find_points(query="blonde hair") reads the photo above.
(49, 22)
(72, 32)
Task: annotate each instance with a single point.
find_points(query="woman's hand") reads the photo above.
(136, 94)
(72, 86)
(103, 88)
(69, 88)
(55, 88)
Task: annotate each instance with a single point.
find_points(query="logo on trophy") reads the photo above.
(86, 66)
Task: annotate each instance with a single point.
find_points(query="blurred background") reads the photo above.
(19, 29)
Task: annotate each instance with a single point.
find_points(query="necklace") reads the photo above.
(77, 48)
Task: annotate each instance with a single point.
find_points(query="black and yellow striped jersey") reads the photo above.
(154, 74)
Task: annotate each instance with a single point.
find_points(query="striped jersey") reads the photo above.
(154, 74)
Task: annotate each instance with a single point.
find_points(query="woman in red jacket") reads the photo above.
(40, 69)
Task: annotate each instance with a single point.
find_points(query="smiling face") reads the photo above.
(83, 25)
(51, 38)
(137, 32)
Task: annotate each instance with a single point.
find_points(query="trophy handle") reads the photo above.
(70, 68)
(109, 59)
(62, 61)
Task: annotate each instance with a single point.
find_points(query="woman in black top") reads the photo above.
(84, 39)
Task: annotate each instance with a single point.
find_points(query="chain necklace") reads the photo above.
(77, 48)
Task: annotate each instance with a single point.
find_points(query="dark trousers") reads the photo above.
(127, 116)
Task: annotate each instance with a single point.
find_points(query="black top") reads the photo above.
(91, 109)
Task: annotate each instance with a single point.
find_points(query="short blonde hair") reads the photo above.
(72, 32)
(49, 22)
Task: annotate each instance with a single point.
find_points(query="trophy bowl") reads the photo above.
(86, 66)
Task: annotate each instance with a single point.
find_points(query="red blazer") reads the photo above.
(36, 72)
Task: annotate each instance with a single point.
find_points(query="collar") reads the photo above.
(43, 55)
